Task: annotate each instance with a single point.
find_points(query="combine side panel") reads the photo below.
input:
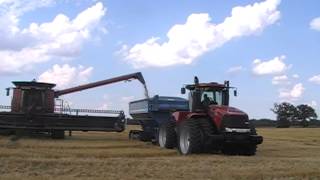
(16, 100)
(45, 122)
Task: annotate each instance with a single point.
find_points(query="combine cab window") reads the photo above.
(33, 101)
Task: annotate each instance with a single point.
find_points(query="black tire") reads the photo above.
(6, 132)
(249, 150)
(189, 137)
(134, 135)
(57, 134)
(208, 129)
(229, 149)
(144, 136)
(167, 137)
(239, 149)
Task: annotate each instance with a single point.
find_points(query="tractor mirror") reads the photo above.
(235, 93)
(183, 90)
(8, 91)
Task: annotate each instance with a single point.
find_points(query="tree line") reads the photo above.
(288, 114)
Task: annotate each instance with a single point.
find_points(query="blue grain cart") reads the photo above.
(151, 113)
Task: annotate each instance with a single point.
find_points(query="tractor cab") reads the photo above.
(202, 95)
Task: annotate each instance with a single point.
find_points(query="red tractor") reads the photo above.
(210, 125)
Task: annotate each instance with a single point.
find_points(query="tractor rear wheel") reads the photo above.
(167, 135)
(190, 137)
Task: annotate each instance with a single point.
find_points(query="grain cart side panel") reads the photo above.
(153, 112)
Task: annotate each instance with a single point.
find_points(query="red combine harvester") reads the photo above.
(33, 110)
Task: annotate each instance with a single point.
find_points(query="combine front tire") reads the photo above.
(57, 134)
(189, 137)
(167, 135)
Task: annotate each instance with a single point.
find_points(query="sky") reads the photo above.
(268, 49)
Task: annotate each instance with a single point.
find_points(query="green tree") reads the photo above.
(304, 114)
(286, 113)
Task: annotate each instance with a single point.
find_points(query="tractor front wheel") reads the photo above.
(189, 137)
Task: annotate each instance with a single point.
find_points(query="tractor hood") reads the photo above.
(226, 110)
(228, 117)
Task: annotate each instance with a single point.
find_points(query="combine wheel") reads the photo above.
(167, 135)
(57, 134)
(189, 137)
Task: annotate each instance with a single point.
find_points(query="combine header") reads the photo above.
(33, 109)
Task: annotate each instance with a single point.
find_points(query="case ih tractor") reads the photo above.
(210, 124)
(204, 123)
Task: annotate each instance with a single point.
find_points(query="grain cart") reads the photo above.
(33, 109)
(208, 125)
(151, 112)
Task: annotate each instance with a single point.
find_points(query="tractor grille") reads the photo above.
(235, 121)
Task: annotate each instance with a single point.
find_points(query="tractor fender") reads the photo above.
(184, 115)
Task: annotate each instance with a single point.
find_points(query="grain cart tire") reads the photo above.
(167, 137)
(189, 137)
(57, 134)
(144, 136)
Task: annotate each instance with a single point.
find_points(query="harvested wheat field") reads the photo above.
(285, 154)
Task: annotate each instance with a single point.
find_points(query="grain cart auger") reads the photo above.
(204, 123)
(33, 109)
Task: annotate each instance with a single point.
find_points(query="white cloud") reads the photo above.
(235, 69)
(315, 24)
(61, 38)
(280, 80)
(315, 79)
(186, 42)
(271, 67)
(66, 76)
(313, 104)
(296, 76)
(292, 94)
(117, 103)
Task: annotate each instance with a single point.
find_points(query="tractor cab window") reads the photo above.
(211, 97)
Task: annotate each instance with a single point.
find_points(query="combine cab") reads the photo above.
(208, 125)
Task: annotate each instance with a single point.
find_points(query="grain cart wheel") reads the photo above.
(189, 137)
(57, 134)
(167, 135)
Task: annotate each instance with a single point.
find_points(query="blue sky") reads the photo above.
(269, 49)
